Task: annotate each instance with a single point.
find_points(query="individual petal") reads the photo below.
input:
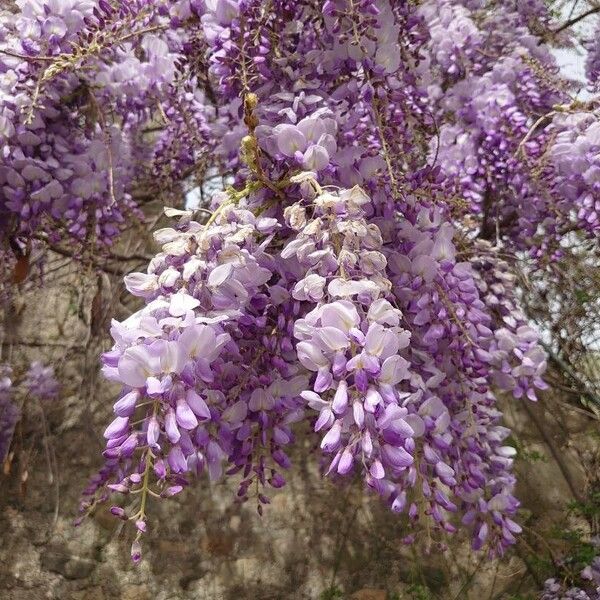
(198, 341)
(376, 470)
(172, 357)
(377, 338)
(235, 413)
(171, 428)
(325, 419)
(310, 288)
(117, 428)
(181, 302)
(358, 413)
(185, 416)
(141, 284)
(333, 339)
(312, 128)
(344, 466)
(126, 405)
(396, 456)
(311, 356)
(136, 364)
(289, 139)
(220, 275)
(382, 312)
(261, 399)
(197, 404)
(316, 158)
(416, 424)
(394, 370)
(153, 432)
(324, 380)
(177, 460)
(340, 399)
(341, 314)
(314, 400)
(332, 438)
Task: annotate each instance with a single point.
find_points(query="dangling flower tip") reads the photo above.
(119, 512)
(136, 552)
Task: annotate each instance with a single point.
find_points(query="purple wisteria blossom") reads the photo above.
(379, 163)
(40, 381)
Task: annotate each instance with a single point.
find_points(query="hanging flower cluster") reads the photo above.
(254, 323)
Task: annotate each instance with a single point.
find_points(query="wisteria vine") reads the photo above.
(381, 160)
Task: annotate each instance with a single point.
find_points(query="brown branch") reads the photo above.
(43, 344)
(72, 254)
(132, 256)
(578, 18)
(27, 57)
(106, 268)
(140, 32)
(570, 372)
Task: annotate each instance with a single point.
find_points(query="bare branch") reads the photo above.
(578, 18)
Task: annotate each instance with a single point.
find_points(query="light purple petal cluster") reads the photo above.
(76, 80)
(592, 61)
(588, 587)
(40, 381)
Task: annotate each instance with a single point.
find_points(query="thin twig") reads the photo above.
(556, 454)
(52, 465)
(26, 56)
(585, 391)
(469, 582)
